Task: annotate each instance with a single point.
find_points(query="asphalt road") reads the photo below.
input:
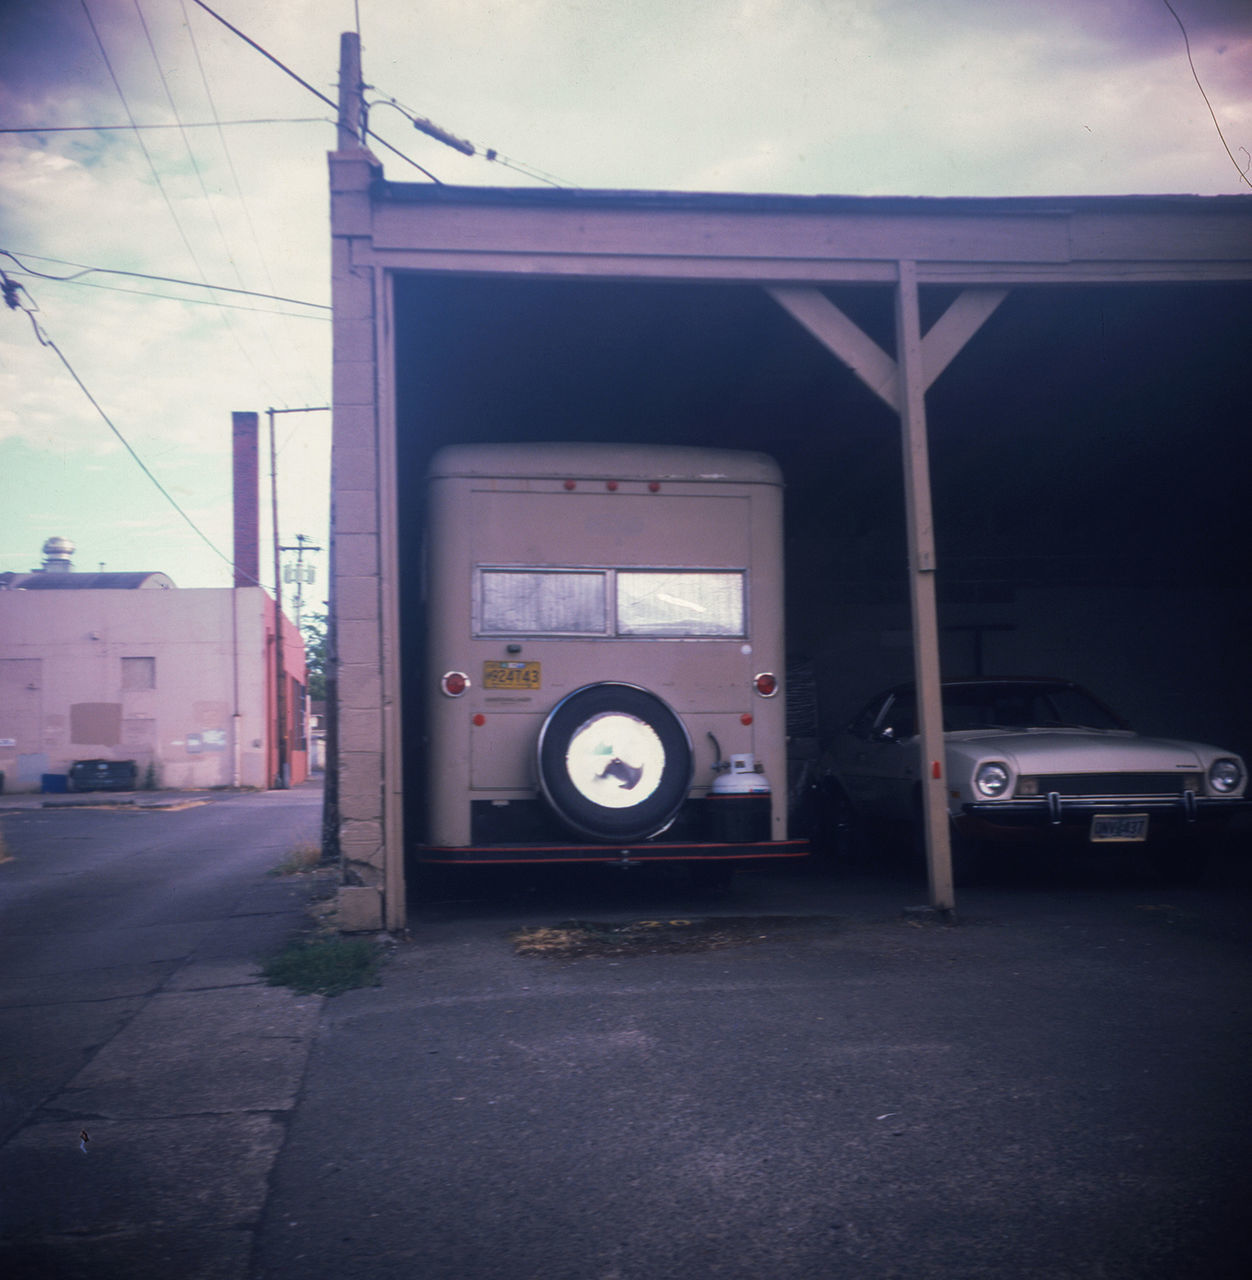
(131, 1008)
(1057, 1087)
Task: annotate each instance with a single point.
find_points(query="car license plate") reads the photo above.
(511, 675)
(1109, 828)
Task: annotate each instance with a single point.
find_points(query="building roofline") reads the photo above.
(703, 201)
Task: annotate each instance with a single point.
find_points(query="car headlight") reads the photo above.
(992, 779)
(1225, 775)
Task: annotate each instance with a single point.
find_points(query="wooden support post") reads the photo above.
(921, 536)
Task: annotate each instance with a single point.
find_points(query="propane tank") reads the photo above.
(740, 776)
(739, 802)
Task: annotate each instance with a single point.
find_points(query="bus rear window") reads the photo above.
(654, 603)
(544, 602)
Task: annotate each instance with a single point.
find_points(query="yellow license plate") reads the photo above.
(510, 675)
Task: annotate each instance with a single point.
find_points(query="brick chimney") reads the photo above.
(247, 516)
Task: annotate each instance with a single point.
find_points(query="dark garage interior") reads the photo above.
(1089, 450)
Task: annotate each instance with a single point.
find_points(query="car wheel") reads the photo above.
(615, 762)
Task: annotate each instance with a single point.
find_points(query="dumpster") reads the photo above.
(103, 775)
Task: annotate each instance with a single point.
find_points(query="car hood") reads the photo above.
(1079, 750)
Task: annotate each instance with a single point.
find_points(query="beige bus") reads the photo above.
(604, 656)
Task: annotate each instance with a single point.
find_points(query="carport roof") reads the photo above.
(757, 202)
(787, 239)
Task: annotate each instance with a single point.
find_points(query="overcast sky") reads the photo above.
(857, 97)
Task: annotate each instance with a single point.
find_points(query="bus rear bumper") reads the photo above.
(610, 854)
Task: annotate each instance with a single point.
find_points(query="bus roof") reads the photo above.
(576, 460)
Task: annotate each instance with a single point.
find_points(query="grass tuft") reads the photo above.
(324, 966)
(304, 857)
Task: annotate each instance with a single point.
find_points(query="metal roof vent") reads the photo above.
(56, 555)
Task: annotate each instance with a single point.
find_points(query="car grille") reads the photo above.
(1112, 784)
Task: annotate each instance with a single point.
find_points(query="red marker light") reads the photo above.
(611, 485)
(480, 719)
(935, 770)
(654, 486)
(454, 683)
(766, 684)
(746, 718)
(570, 484)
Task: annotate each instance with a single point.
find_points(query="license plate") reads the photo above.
(1109, 828)
(510, 675)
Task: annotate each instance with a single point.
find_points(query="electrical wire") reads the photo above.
(464, 146)
(170, 297)
(169, 204)
(231, 257)
(1195, 75)
(182, 124)
(142, 275)
(239, 192)
(10, 289)
(317, 93)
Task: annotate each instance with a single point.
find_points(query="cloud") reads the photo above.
(940, 97)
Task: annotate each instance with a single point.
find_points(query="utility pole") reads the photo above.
(299, 577)
(283, 778)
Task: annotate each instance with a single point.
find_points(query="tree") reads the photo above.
(313, 628)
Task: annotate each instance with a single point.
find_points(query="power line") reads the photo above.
(231, 257)
(234, 175)
(1195, 75)
(184, 124)
(317, 93)
(169, 204)
(170, 297)
(10, 289)
(465, 147)
(141, 275)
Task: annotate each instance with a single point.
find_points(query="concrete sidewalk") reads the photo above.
(197, 1064)
(1055, 1088)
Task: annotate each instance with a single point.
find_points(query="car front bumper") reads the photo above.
(1041, 812)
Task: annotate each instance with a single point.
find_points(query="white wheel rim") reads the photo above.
(615, 760)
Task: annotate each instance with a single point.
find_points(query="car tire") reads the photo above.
(615, 762)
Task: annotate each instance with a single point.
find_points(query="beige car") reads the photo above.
(1038, 762)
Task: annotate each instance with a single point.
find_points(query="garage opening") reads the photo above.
(1089, 463)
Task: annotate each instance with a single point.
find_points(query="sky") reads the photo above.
(849, 97)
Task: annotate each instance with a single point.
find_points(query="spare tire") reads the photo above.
(615, 762)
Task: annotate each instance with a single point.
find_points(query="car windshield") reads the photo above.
(997, 704)
(1023, 705)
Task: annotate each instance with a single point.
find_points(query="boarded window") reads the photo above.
(679, 604)
(138, 673)
(541, 602)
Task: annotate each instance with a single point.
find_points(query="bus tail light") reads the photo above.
(454, 683)
(766, 684)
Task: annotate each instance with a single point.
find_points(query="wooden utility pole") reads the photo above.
(349, 91)
(282, 777)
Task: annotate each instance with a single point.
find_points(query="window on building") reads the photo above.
(138, 673)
